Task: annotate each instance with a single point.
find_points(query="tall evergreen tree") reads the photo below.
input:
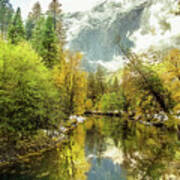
(49, 44)
(115, 85)
(92, 92)
(29, 26)
(45, 41)
(16, 31)
(37, 35)
(100, 81)
(32, 19)
(36, 12)
(6, 12)
(55, 11)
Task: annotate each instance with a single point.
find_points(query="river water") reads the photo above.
(106, 149)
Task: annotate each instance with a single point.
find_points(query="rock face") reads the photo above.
(111, 25)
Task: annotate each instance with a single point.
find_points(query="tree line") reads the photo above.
(146, 89)
(42, 83)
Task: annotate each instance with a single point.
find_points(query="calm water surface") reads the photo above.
(106, 149)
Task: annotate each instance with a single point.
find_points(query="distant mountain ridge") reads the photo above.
(135, 24)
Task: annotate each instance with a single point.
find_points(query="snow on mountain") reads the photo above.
(101, 32)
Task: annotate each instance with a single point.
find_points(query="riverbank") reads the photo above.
(22, 150)
(101, 147)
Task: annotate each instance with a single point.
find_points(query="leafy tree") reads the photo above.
(16, 30)
(173, 63)
(112, 102)
(149, 81)
(147, 96)
(6, 13)
(170, 74)
(72, 83)
(28, 98)
(89, 105)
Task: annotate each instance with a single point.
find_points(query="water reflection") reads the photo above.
(106, 149)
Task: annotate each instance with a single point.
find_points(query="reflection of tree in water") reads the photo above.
(149, 153)
(68, 162)
(95, 139)
(98, 141)
(71, 158)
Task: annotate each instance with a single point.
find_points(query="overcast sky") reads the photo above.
(67, 5)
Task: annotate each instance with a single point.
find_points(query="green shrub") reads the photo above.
(28, 98)
(112, 102)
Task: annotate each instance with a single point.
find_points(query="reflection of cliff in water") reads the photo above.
(105, 169)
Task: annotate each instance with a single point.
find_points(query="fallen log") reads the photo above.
(112, 114)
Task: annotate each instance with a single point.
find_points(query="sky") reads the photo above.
(67, 5)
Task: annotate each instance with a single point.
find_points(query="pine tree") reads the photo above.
(49, 44)
(6, 12)
(56, 12)
(92, 91)
(32, 19)
(16, 31)
(44, 41)
(36, 12)
(29, 26)
(100, 81)
(37, 36)
(115, 86)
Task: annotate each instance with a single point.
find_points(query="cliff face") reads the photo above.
(139, 25)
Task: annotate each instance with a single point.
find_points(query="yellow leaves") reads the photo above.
(173, 56)
(80, 135)
(138, 134)
(177, 108)
(77, 164)
(72, 82)
(173, 62)
(151, 142)
(80, 90)
(89, 124)
(89, 104)
(138, 113)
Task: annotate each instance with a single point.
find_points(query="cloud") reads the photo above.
(67, 5)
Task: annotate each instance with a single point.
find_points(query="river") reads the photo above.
(106, 148)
